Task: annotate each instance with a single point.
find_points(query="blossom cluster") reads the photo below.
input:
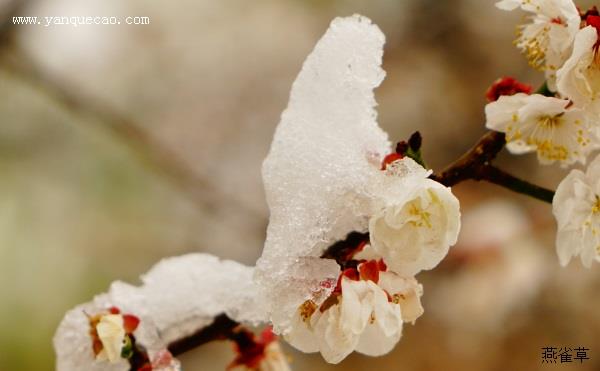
(560, 122)
(354, 220)
(336, 189)
(376, 291)
(332, 180)
(132, 327)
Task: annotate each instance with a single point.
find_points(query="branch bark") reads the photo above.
(476, 164)
(222, 328)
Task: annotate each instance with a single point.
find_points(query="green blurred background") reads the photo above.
(120, 145)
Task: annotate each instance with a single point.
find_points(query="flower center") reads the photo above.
(534, 47)
(596, 206)
(307, 309)
(422, 217)
(548, 122)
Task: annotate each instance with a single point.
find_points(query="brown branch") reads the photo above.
(476, 164)
(469, 164)
(222, 328)
(342, 250)
(496, 176)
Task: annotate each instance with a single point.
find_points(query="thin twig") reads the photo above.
(222, 328)
(484, 151)
(476, 164)
(494, 175)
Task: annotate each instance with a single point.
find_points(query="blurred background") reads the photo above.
(123, 144)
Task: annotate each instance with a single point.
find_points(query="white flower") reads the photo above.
(576, 206)
(178, 296)
(543, 124)
(275, 359)
(366, 317)
(416, 227)
(404, 291)
(548, 39)
(579, 78)
(362, 320)
(112, 334)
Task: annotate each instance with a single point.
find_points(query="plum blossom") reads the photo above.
(416, 226)
(547, 40)
(576, 207)
(364, 314)
(112, 336)
(131, 327)
(496, 270)
(550, 126)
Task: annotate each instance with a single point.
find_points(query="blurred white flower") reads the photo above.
(163, 360)
(413, 232)
(491, 224)
(275, 359)
(112, 335)
(576, 206)
(547, 40)
(258, 353)
(546, 125)
(497, 270)
(579, 78)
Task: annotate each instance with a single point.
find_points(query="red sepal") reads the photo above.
(389, 159)
(381, 265)
(350, 273)
(114, 310)
(130, 323)
(369, 270)
(506, 86)
(250, 350)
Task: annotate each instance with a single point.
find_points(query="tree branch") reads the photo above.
(476, 164)
(222, 328)
(499, 177)
(467, 166)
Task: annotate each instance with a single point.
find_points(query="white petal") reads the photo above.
(111, 333)
(409, 293)
(571, 77)
(519, 147)
(568, 244)
(385, 329)
(335, 344)
(356, 306)
(501, 113)
(301, 335)
(508, 4)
